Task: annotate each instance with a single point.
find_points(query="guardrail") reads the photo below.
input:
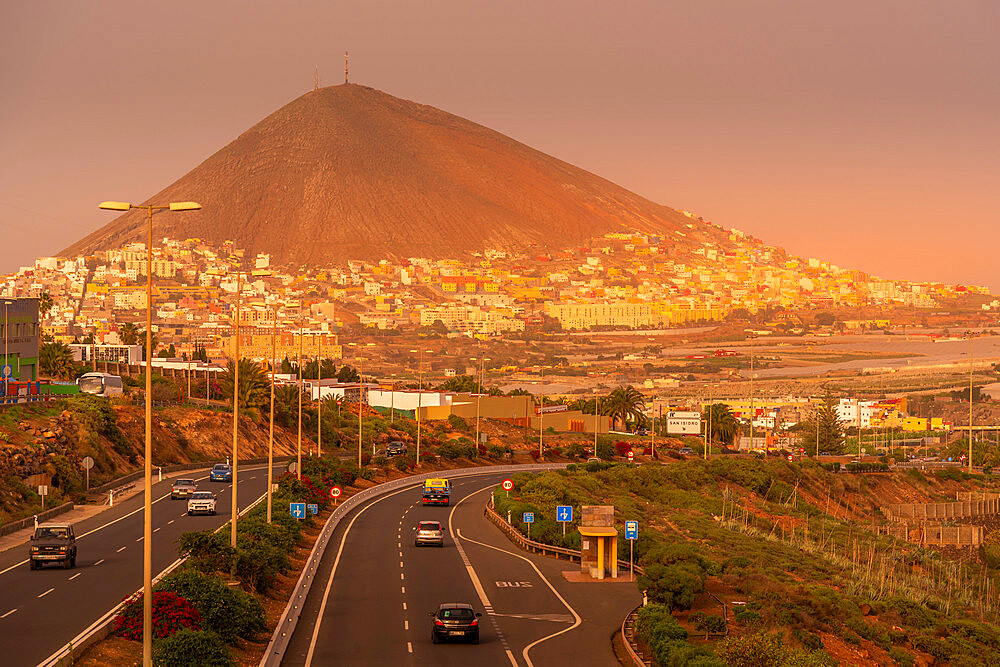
(101, 628)
(282, 634)
(540, 547)
(20, 524)
(628, 624)
(175, 467)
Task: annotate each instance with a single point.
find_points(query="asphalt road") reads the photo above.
(42, 610)
(375, 608)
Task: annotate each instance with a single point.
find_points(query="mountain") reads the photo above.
(350, 172)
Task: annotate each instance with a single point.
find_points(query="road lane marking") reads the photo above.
(404, 606)
(14, 565)
(401, 576)
(156, 529)
(139, 540)
(9, 613)
(402, 589)
(171, 521)
(556, 618)
(576, 616)
(120, 550)
(75, 576)
(409, 647)
(99, 562)
(401, 555)
(45, 593)
(336, 562)
(406, 625)
(401, 563)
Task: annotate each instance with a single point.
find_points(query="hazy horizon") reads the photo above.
(862, 135)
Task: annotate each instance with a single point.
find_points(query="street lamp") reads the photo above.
(147, 553)
(420, 396)
(6, 338)
(270, 438)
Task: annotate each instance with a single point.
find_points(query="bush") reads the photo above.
(622, 448)
(457, 423)
(866, 467)
(404, 463)
(381, 461)
(747, 617)
(534, 455)
(708, 623)
(428, 457)
(499, 451)
(605, 450)
(171, 613)
(576, 450)
(228, 611)
(449, 451)
(189, 647)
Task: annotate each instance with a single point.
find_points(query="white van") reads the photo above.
(100, 384)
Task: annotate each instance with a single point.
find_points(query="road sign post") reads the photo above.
(335, 493)
(298, 510)
(313, 508)
(529, 518)
(87, 463)
(564, 514)
(631, 455)
(507, 485)
(43, 490)
(631, 534)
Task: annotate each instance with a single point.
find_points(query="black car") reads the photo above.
(53, 543)
(455, 620)
(396, 448)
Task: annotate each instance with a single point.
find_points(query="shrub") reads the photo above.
(499, 451)
(708, 623)
(622, 448)
(428, 457)
(757, 650)
(449, 451)
(866, 467)
(576, 450)
(747, 617)
(171, 613)
(605, 450)
(404, 463)
(534, 455)
(228, 611)
(190, 647)
(381, 461)
(457, 423)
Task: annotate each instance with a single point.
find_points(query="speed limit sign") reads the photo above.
(335, 492)
(508, 484)
(631, 455)
(789, 458)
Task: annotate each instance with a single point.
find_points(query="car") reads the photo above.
(221, 472)
(642, 430)
(825, 454)
(594, 459)
(429, 532)
(686, 451)
(455, 620)
(201, 502)
(53, 543)
(396, 448)
(182, 488)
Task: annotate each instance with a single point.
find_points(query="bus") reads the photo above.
(437, 492)
(101, 384)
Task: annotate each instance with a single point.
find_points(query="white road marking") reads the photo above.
(45, 593)
(401, 576)
(120, 550)
(401, 555)
(99, 562)
(171, 521)
(156, 529)
(139, 540)
(12, 567)
(401, 563)
(404, 606)
(402, 589)
(409, 647)
(9, 613)
(336, 562)
(75, 576)
(406, 625)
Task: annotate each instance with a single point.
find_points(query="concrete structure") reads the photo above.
(112, 354)
(599, 541)
(19, 337)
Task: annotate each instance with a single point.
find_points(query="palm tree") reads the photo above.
(128, 333)
(254, 390)
(44, 303)
(55, 360)
(724, 424)
(623, 404)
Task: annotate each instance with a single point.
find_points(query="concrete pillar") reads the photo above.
(614, 557)
(600, 557)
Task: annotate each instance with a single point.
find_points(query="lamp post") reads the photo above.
(420, 396)
(147, 529)
(236, 414)
(270, 438)
(6, 340)
(970, 405)
(298, 455)
(319, 398)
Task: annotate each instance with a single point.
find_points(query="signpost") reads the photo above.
(43, 490)
(313, 508)
(631, 534)
(507, 485)
(291, 467)
(683, 423)
(529, 518)
(564, 514)
(298, 510)
(790, 457)
(631, 455)
(87, 464)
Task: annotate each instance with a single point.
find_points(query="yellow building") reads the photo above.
(915, 424)
(255, 343)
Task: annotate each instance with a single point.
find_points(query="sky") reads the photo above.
(862, 133)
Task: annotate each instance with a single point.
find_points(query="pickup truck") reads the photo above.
(53, 543)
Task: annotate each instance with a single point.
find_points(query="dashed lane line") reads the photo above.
(99, 562)
(409, 647)
(75, 576)
(45, 593)
(9, 613)
(120, 550)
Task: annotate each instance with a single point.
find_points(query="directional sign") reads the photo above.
(313, 509)
(631, 455)
(631, 530)
(43, 490)
(529, 517)
(7, 371)
(508, 484)
(335, 492)
(564, 512)
(298, 510)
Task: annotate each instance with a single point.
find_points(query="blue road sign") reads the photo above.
(313, 509)
(564, 512)
(529, 517)
(631, 530)
(7, 371)
(298, 510)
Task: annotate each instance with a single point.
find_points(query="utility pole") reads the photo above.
(298, 455)
(345, 67)
(236, 412)
(708, 430)
(361, 396)
(970, 404)
(270, 438)
(541, 410)
(752, 413)
(319, 399)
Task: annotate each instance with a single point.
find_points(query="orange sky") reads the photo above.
(862, 133)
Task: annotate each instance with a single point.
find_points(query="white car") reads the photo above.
(201, 502)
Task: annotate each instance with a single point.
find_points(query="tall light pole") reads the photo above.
(298, 455)
(319, 398)
(541, 409)
(420, 396)
(236, 413)
(147, 529)
(270, 438)
(479, 396)
(970, 405)
(597, 421)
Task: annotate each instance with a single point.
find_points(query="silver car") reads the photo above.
(182, 488)
(429, 532)
(201, 502)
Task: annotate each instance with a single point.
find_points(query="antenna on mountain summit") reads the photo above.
(345, 66)
(316, 79)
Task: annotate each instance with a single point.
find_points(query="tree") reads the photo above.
(55, 360)
(44, 304)
(254, 389)
(823, 423)
(438, 327)
(287, 366)
(623, 404)
(518, 391)
(825, 319)
(724, 424)
(347, 374)
(462, 383)
(128, 333)
(141, 340)
(89, 339)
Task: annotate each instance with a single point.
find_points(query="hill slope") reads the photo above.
(349, 172)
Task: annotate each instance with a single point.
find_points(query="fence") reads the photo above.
(955, 510)
(936, 536)
(15, 526)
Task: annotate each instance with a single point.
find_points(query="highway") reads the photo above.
(375, 608)
(42, 610)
